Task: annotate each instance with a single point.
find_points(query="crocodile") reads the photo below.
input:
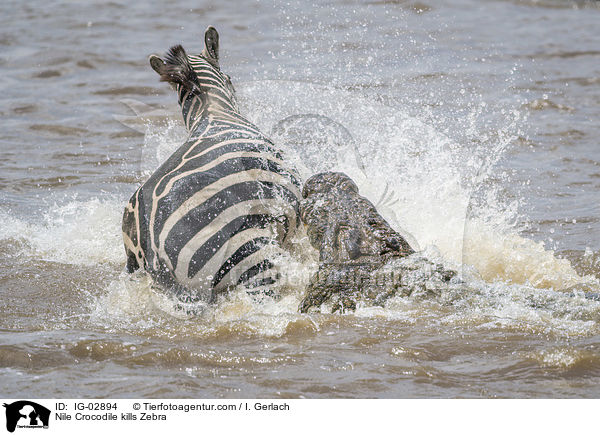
(358, 249)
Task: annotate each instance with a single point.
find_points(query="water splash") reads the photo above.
(439, 191)
(434, 190)
(78, 232)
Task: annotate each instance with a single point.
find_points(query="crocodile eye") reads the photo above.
(348, 185)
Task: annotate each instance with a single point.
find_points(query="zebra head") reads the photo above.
(198, 80)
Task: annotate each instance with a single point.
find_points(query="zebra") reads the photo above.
(208, 217)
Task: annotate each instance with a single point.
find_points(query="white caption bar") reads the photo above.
(155, 416)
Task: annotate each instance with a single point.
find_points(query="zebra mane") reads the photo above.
(179, 70)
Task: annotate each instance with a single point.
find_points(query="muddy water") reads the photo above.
(473, 126)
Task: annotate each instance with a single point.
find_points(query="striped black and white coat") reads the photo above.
(208, 216)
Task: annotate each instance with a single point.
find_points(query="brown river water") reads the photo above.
(472, 124)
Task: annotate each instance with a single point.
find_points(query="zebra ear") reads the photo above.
(211, 46)
(157, 63)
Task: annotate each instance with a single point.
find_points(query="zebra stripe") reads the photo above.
(208, 216)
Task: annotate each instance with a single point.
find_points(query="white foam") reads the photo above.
(422, 182)
(79, 232)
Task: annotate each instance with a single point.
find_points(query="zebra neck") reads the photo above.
(218, 114)
(196, 108)
(193, 109)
